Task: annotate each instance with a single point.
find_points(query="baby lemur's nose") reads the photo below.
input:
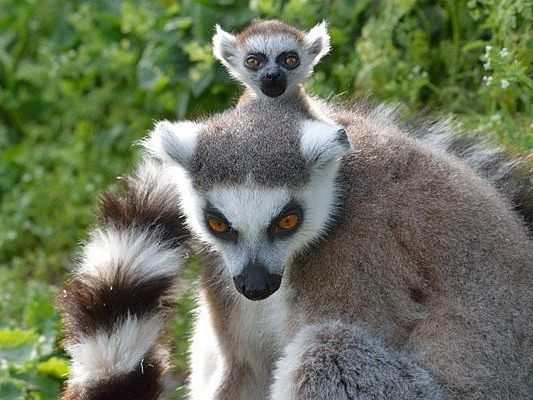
(255, 282)
(273, 75)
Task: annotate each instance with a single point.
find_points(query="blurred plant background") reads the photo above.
(81, 80)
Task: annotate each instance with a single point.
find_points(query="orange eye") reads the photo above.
(288, 222)
(292, 61)
(252, 62)
(218, 226)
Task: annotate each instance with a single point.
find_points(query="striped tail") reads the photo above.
(118, 301)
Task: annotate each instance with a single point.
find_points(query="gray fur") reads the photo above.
(511, 174)
(334, 360)
(227, 149)
(426, 255)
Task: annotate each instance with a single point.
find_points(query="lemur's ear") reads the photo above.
(322, 143)
(173, 142)
(317, 41)
(224, 46)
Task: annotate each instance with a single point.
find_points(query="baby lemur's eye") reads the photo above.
(291, 61)
(253, 62)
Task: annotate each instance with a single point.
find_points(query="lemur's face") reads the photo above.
(272, 72)
(271, 58)
(257, 200)
(258, 230)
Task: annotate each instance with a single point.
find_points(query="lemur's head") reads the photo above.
(271, 57)
(257, 184)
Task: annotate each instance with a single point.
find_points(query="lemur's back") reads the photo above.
(431, 258)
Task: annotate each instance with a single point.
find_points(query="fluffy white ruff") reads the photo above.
(258, 333)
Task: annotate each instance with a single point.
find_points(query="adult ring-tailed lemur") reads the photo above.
(343, 257)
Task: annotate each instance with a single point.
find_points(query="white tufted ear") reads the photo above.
(173, 142)
(322, 143)
(224, 46)
(317, 41)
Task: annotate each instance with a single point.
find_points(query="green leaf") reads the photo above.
(40, 312)
(17, 346)
(475, 45)
(11, 389)
(203, 82)
(11, 338)
(182, 104)
(55, 367)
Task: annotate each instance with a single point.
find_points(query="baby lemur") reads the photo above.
(272, 59)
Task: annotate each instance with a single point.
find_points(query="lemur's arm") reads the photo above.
(119, 299)
(339, 361)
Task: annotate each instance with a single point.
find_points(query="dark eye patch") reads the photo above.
(212, 213)
(261, 57)
(292, 207)
(280, 59)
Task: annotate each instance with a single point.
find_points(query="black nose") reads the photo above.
(273, 75)
(255, 282)
(273, 82)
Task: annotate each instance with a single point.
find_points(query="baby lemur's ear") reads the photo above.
(173, 142)
(322, 143)
(224, 46)
(317, 41)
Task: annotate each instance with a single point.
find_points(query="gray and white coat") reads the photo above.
(409, 275)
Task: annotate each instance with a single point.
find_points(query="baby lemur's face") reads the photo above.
(272, 58)
(270, 73)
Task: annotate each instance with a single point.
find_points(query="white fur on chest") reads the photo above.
(256, 330)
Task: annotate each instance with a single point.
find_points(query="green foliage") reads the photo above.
(31, 366)
(82, 80)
